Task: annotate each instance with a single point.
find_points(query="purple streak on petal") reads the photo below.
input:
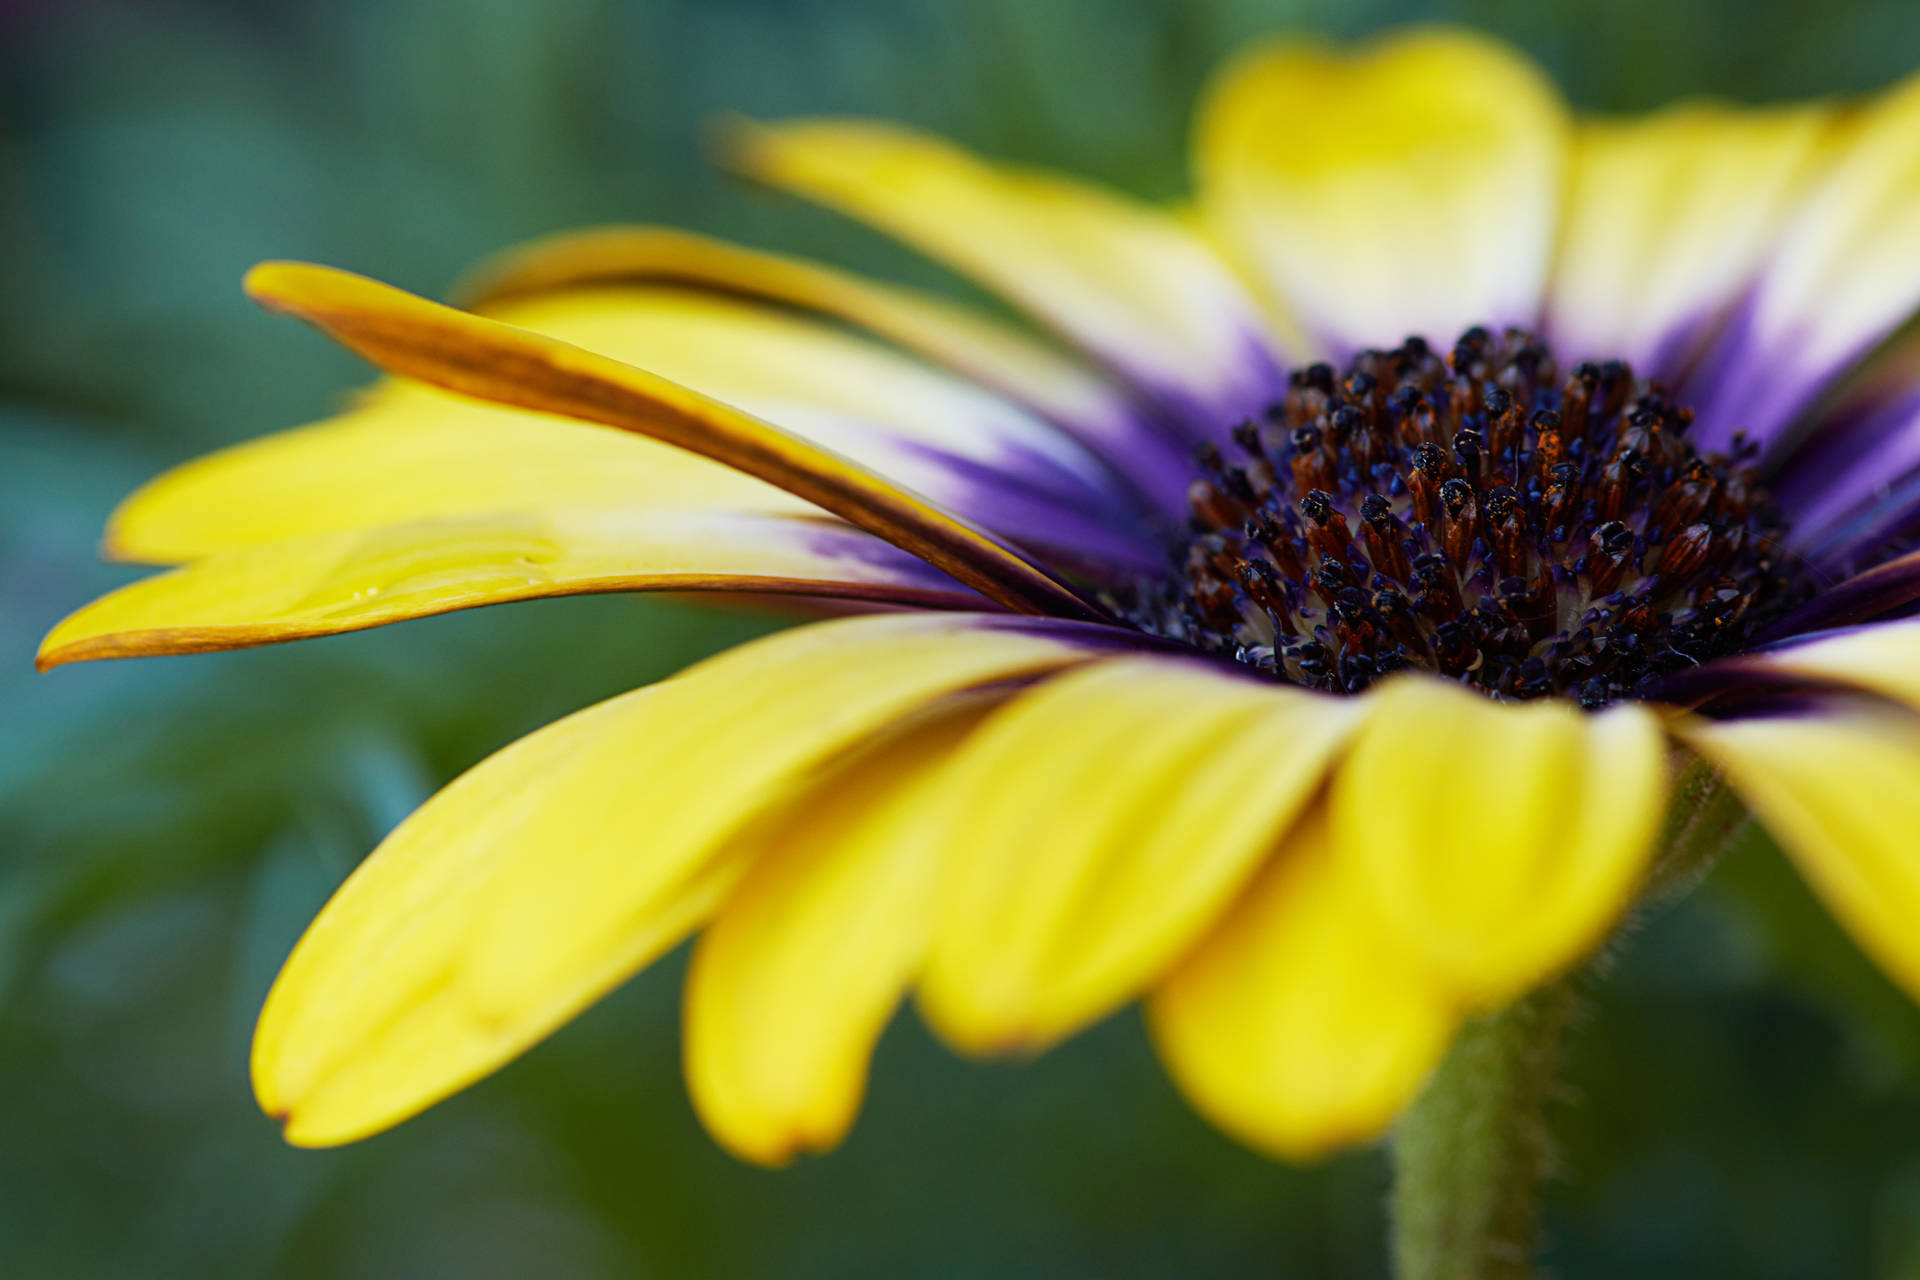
(1678, 354)
(1059, 539)
(1121, 526)
(1851, 477)
(1024, 467)
(1152, 456)
(1209, 414)
(1094, 635)
(1883, 526)
(1773, 704)
(833, 541)
(1668, 357)
(1745, 683)
(1735, 678)
(1875, 593)
(1089, 531)
(1160, 458)
(1761, 383)
(1754, 683)
(1720, 389)
(1673, 355)
(1755, 384)
(1145, 451)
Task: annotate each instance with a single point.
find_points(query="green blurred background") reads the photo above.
(1745, 1095)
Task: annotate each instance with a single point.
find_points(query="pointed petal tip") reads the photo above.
(750, 148)
(270, 283)
(732, 139)
(55, 651)
(59, 651)
(316, 292)
(59, 648)
(761, 152)
(488, 360)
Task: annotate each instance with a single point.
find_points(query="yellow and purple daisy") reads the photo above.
(1322, 624)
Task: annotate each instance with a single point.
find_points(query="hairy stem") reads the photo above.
(1704, 820)
(1470, 1155)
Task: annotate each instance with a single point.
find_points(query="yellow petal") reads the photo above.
(1883, 658)
(1127, 282)
(793, 983)
(492, 361)
(967, 450)
(1410, 186)
(1668, 218)
(950, 335)
(1888, 374)
(406, 453)
(440, 456)
(333, 582)
(1839, 788)
(1300, 1023)
(1095, 827)
(847, 393)
(559, 866)
(1501, 841)
(1843, 275)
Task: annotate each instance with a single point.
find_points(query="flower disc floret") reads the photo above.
(1474, 514)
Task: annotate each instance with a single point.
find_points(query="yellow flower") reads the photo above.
(1359, 726)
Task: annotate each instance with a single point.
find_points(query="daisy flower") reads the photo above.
(1353, 592)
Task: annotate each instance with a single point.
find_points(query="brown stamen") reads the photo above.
(1478, 516)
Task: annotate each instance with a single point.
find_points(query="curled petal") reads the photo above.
(1500, 841)
(493, 361)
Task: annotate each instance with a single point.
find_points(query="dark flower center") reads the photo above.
(1473, 514)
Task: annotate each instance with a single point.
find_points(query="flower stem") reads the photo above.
(1470, 1155)
(1704, 820)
